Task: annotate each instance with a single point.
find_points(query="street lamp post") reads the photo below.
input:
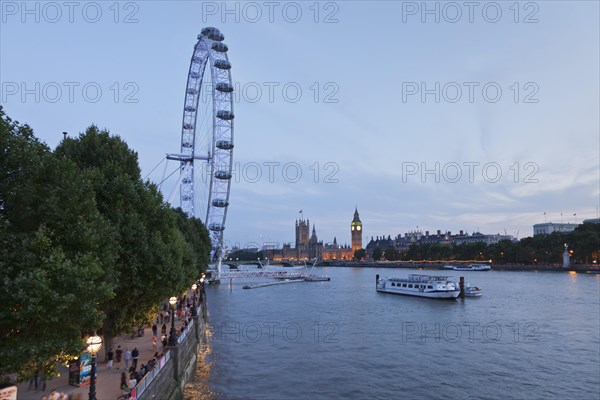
(93, 346)
(172, 334)
(201, 287)
(194, 313)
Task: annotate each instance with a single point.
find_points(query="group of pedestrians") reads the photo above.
(127, 359)
(131, 376)
(130, 357)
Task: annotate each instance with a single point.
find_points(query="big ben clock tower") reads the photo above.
(356, 231)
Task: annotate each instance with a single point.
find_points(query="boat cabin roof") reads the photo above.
(421, 278)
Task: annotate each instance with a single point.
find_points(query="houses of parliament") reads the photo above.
(308, 247)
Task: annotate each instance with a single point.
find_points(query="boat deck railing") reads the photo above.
(261, 274)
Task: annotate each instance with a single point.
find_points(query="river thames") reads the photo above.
(531, 335)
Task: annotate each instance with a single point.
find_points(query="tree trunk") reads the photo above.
(107, 329)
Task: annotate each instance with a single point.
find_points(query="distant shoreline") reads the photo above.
(440, 266)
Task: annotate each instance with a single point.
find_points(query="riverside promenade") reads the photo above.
(107, 380)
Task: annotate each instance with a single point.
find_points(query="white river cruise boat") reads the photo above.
(433, 287)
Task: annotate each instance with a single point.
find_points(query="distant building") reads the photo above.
(334, 251)
(403, 243)
(356, 231)
(549, 227)
(302, 239)
(309, 247)
(382, 243)
(315, 248)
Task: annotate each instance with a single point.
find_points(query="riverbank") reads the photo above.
(590, 269)
(166, 379)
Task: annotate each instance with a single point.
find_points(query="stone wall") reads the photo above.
(170, 381)
(164, 386)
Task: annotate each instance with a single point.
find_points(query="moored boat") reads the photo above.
(473, 267)
(473, 291)
(433, 287)
(316, 278)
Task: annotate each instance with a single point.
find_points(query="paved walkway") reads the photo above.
(108, 381)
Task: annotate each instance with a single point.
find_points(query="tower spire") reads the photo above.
(356, 217)
(356, 231)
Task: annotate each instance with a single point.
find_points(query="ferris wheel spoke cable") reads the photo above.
(168, 176)
(156, 166)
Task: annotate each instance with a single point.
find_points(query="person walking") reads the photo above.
(33, 382)
(154, 330)
(127, 358)
(124, 381)
(109, 356)
(119, 355)
(154, 349)
(135, 354)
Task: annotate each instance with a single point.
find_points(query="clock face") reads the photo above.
(358, 228)
(352, 227)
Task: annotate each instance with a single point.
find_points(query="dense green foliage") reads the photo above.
(391, 254)
(52, 251)
(360, 254)
(84, 244)
(245, 255)
(377, 254)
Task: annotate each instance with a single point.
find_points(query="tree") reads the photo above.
(360, 254)
(196, 235)
(245, 255)
(377, 253)
(158, 253)
(390, 254)
(84, 243)
(52, 246)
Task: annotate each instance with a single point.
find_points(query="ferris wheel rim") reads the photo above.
(211, 52)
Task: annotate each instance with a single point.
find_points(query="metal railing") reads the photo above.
(181, 337)
(262, 274)
(143, 384)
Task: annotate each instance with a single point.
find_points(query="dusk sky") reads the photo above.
(481, 120)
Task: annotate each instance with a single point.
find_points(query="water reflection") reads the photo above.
(198, 388)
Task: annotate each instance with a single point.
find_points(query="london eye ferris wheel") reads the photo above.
(206, 152)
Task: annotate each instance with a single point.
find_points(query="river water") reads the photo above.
(531, 335)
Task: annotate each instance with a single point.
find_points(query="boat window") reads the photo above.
(429, 287)
(410, 285)
(404, 285)
(393, 284)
